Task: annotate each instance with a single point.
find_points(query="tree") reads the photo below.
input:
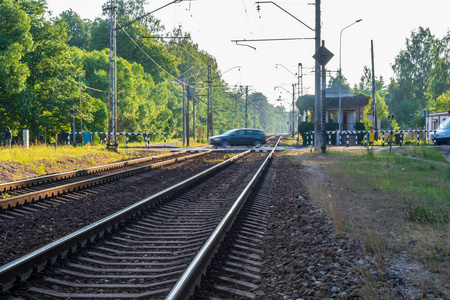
(135, 9)
(135, 44)
(334, 82)
(442, 103)
(51, 89)
(76, 29)
(365, 83)
(439, 77)
(15, 42)
(412, 67)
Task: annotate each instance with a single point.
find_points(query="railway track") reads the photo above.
(141, 251)
(36, 190)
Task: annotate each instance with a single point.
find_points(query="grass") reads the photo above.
(392, 203)
(42, 159)
(288, 141)
(419, 185)
(225, 157)
(426, 153)
(34, 153)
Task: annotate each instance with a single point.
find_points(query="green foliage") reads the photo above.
(439, 77)
(420, 214)
(44, 62)
(334, 82)
(360, 126)
(422, 76)
(15, 42)
(303, 128)
(442, 103)
(40, 169)
(76, 27)
(305, 104)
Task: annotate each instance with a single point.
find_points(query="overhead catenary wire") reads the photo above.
(137, 45)
(167, 72)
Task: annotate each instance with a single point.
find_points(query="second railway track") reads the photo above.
(32, 190)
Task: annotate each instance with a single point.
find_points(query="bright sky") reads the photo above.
(214, 23)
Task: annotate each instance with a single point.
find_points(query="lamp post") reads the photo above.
(298, 75)
(340, 78)
(239, 67)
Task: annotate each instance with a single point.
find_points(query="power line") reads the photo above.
(167, 72)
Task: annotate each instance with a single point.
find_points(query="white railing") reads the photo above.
(344, 136)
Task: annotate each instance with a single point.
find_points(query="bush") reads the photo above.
(304, 127)
(360, 126)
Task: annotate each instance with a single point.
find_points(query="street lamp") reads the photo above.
(239, 69)
(340, 78)
(298, 75)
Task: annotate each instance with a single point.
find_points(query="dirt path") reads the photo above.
(445, 150)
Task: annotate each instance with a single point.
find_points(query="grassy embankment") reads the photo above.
(17, 162)
(393, 203)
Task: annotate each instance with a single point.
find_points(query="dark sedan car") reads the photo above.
(442, 135)
(242, 136)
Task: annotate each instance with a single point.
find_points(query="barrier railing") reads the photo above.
(348, 133)
(147, 136)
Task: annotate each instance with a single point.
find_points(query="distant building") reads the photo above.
(434, 119)
(352, 107)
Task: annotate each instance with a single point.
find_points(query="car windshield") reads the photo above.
(229, 132)
(445, 124)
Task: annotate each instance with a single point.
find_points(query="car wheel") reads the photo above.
(225, 144)
(257, 144)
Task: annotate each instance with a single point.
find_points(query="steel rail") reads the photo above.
(186, 284)
(33, 197)
(37, 259)
(14, 185)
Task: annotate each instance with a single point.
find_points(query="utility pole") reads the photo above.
(293, 110)
(246, 106)
(235, 111)
(324, 80)
(79, 94)
(112, 104)
(374, 90)
(209, 130)
(194, 101)
(300, 85)
(187, 117)
(317, 106)
(184, 111)
(212, 103)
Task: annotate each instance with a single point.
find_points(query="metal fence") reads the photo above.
(350, 137)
